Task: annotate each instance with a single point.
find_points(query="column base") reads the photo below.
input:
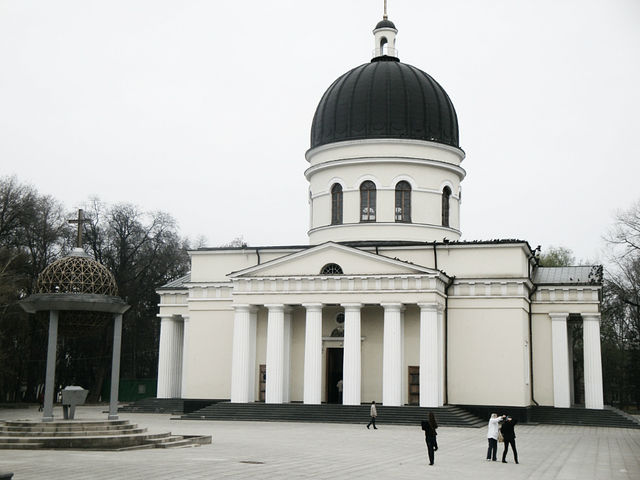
(113, 417)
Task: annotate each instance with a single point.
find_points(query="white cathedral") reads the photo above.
(385, 303)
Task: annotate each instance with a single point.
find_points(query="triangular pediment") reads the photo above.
(353, 261)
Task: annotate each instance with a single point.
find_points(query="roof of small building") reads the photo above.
(582, 274)
(177, 283)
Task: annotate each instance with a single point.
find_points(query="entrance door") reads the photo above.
(334, 374)
(263, 383)
(414, 385)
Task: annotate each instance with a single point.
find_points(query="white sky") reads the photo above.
(203, 108)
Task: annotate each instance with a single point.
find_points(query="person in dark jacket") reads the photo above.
(429, 427)
(509, 436)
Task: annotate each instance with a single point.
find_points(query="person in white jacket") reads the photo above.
(492, 435)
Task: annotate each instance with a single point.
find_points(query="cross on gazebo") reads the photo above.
(80, 220)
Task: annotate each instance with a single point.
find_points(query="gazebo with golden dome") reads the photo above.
(79, 293)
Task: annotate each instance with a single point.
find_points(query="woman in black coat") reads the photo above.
(430, 433)
(509, 436)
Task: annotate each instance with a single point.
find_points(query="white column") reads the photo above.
(170, 358)
(242, 365)
(392, 355)
(351, 368)
(429, 364)
(286, 368)
(560, 352)
(115, 367)
(50, 386)
(441, 359)
(275, 354)
(593, 397)
(313, 354)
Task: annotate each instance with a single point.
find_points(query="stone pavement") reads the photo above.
(264, 450)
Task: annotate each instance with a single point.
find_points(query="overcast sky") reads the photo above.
(203, 109)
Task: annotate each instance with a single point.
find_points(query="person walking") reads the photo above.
(509, 436)
(429, 427)
(492, 436)
(373, 413)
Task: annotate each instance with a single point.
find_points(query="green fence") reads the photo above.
(132, 389)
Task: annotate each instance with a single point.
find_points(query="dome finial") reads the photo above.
(384, 35)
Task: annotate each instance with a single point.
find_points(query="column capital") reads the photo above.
(593, 317)
(559, 316)
(392, 306)
(245, 307)
(432, 307)
(313, 306)
(351, 306)
(275, 306)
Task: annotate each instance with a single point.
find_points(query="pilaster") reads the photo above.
(243, 355)
(560, 352)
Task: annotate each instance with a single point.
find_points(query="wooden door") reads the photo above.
(263, 383)
(414, 385)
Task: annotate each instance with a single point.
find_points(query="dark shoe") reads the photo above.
(367, 427)
(375, 428)
(504, 461)
(431, 464)
(516, 461)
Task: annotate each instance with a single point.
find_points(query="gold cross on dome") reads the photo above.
(80, 220)
(385, 10)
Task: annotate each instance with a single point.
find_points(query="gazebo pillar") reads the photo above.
(49, 386)
(115, 366)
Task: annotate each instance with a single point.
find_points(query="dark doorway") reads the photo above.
(414, 385)
(576, 359)
(334, 374)
(262, 383)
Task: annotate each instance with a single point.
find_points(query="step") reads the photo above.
(74, 433)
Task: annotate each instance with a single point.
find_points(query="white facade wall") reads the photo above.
(487, 335)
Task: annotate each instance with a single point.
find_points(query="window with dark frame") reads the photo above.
(446, 194)
(336, 204)
(403, 202)
(331, 269)
(368, 201)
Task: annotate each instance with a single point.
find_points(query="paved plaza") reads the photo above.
(273, 450)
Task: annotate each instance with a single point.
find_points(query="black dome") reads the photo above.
(385, 99)
(385, 24)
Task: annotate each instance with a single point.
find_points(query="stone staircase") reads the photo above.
(333, 413)
(88, 435)
(609, 417)
(174, 406)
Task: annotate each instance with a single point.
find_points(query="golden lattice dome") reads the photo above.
(77, 273)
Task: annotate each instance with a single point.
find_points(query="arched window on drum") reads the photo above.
(403, 202)
(368, 201)
(336, 204)
(446, 195)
